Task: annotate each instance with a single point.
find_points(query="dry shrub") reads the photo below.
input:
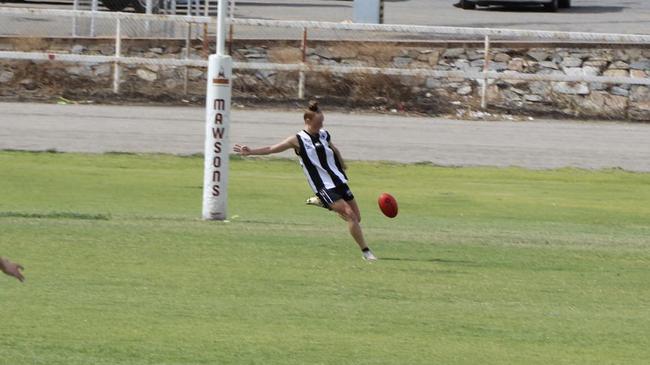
(280, 85)
(382, 86)
(342, 50)
(31, 44)
(613, 107)
(356, 90)
(285, 55)
(383, 53)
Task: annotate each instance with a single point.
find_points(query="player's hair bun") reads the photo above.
(313, 106)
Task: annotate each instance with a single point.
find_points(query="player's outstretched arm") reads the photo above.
(290, 142)
(11, 269)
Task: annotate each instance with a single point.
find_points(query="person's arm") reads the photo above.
(338, 155)
(11, 269)
(290, 142)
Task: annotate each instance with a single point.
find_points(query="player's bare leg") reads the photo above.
(355, 208)
(346, 211)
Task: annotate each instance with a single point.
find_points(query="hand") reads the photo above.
(242, 149)
(12, 269)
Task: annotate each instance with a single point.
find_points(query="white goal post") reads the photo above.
(217, 126)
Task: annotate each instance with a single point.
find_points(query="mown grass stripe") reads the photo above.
(55, 215)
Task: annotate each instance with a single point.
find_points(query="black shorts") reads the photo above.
(329, 196)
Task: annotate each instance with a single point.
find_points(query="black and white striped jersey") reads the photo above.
(319, 162)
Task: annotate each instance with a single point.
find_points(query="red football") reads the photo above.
(388, 205)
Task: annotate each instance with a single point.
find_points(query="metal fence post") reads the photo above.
(486, 64)
(148, 10)
(188, 34)
(231, 32)
(118, 51)
(75, 7)
(168, 30)
(231, 29)
(206, 45)
(196, 6)
(301, 80)
(231, 11)
(93, 8)
(206, 12)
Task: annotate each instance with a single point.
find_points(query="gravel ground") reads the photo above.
(535, 144)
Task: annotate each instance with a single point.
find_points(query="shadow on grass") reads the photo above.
(55, 215)
(442, 261)
(270, 222)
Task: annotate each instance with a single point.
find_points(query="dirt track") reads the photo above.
(179, 130)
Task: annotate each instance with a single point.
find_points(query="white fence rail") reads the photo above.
(301, 67)
(493, 33)
(82, 23)
(422, 29)
(171, 7)
(53, 13)
(304, 67)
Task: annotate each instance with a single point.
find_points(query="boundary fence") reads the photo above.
(488, 34)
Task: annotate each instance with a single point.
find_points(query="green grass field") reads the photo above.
(482, 266)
